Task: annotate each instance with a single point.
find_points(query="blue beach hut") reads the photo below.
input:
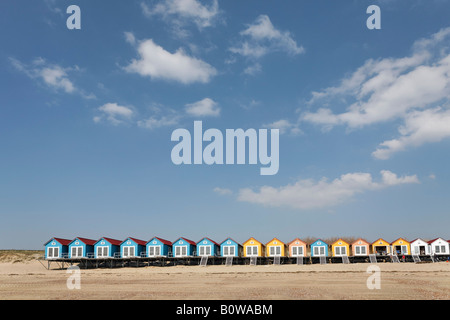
(230, 248)
(319, 249)
(106, 248)
(183, 248)
(81, 248)
(132, 247)
(56, 248)
(207, 248)
(158, 247)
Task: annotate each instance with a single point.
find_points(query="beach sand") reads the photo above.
(31, 280)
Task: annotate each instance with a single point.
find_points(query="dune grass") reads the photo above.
(16, 256)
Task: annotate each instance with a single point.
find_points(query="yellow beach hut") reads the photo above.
(253, 248)
(401, 246)
(340, 248)
(276, 248)
(381, 247)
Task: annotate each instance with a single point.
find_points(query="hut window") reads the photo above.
(77, 252)
(53, 253)
(128, 252)
(252, 250)
(275, 251)
(102, 251)
(228, 251)
(360, 250)
(154, 251)
(340, 251)
(319, 251)
(181, 251)
(297, 251)
(204, 250)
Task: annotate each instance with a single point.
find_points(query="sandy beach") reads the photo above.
(31, 280)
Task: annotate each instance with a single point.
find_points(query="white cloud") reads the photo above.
(158, 63)
(285, 126)
(52, 75)
(264, 38)
(253, 69)
(222, 191)
(155, 122)
(162, 116)
(114, 113)
(130, 38)
(203, 108)
(310, 194)
(407, 88)
(180, 12)
(427, 126)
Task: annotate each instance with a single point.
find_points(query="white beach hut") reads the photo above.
(420, 247)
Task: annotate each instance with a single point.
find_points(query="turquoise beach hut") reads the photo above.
(319, 249)
(132, 247)
(207, 248)
(230, 248)
(158, 247)
(183, 248)
(56, 248)
(81, 248)
(107, 248)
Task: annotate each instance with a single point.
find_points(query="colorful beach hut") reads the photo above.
(297, 248)
(132, 247)
(253, 248)
(420, 247)
(56, 248)
(230, 248)
(381, 247)
(319, 248)
(207, 248)
(158, 247)
(183, 247)
(360, 247)
(340, 248)
(276, 248)
(106, 248)
(439, 246)
(81, 248)
(401, 247)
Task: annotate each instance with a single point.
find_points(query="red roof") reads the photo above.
(89, 242)
(209, 240)
(112, 241)
(187, 240)
(64, 242)
(431, 241)
(140, 242)
(166, 242)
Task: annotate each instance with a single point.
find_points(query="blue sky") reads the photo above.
(86, 118)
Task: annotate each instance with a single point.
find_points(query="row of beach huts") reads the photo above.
(104, 248)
